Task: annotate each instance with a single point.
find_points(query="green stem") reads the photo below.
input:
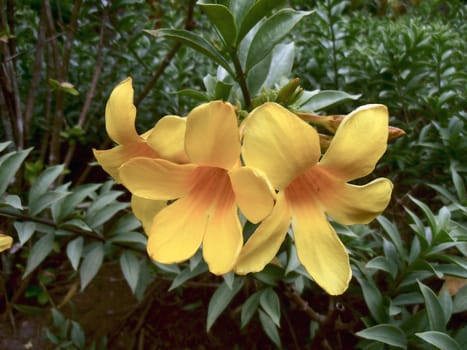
(241, 79)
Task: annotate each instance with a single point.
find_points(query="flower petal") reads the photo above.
(223, 238)
(279, 143)
(212, 137)
(265, 242)
(111, 159)
(319, 248)
(120, 114)
(168, 138)
(358, 144)
(350, 204)
(177, 231)
(253, 193)
(156, 179)
(145, 210)
(5, 242)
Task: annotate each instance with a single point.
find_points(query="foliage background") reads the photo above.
(60, 61)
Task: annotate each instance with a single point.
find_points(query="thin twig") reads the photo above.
(189, 25)
(36, 74)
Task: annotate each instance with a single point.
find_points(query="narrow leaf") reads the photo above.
(249, 308)
(9, 165)
(271, 32)
(325, 99)
(91, 264)
(221, 17)
(270, 328)
(130, 266)
(43, 181)
(270, 303)
(434, 310)
(74, 250)
(256, 13)
(220, 299)
(386, 334)
(39, 252)
(440, 340)
(196, 42)
(24, 230)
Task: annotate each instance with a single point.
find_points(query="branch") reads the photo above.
(35, 75)
(189, 25)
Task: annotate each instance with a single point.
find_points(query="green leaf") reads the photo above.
(249, 308)
(440, 340)
(283, 56)
(239, 9)
(222, 91)
(373, 299)
(434, 310)
(460, 301)
(257, 75)
(270, 303)
(194, 94)
(393, 233)
(256, 13)
(428, 214)
(229, 278)
(196, 42)
(39, 252)
(65, 207)
(129, 237)
(77, 335)
(270, 328)
(91, 264)
(74, 250)
(221, 17)
(4, 145)
(9, 165)
(325, 99)
(45, 200)
(130, 266)
(270, 33)
(13, 201)
(24, 230)
(220, 299)
(97, 218)
(43, 181)
(188, 274)
(386, 334)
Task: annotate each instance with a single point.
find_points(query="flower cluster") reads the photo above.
(190, 176)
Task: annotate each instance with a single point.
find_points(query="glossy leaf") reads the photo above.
(326, 99)
(196, 42)
(91, 264)
(74, 250)
(131, 267)
(9, 165)
(249, 308)
(270, 303)
(221, 17)
(39, 252)
(220, 299)
(270, 328)
(435, 313)
(24, 230)
(440, 340)
(43, 182)
(256, 13)
(270, 33)
(386, 334)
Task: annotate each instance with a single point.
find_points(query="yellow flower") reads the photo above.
(165, 140)
(207, 192)
(5, 242)
(287, 150)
